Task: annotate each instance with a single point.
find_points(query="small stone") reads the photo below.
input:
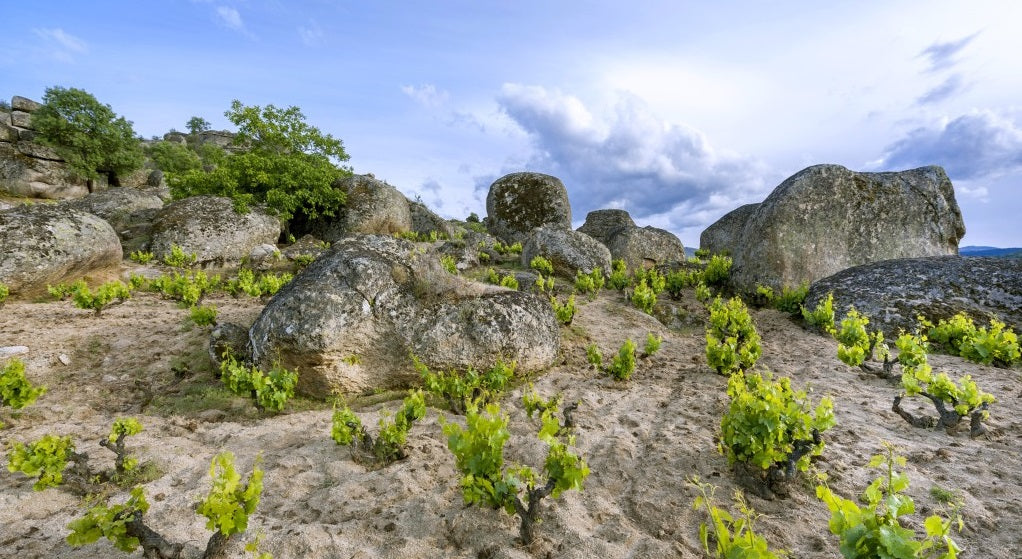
(109, 378)
(64, 359)
(11, 350)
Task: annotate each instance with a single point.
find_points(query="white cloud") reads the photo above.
(942, 55)
(426, 95)
(311, 34)
(628, 157)
(230, 17)
(62, 45)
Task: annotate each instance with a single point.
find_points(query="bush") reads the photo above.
(389, 445)
(504, 249)
(618, 278)
(271, 391)
(594, 356)
(960, 336)
(449, 264)
(855, 344)
(286, 164)
(178, 259)
(589, 284)
(86, 134)
(644, 297)
(678, 280)
(188, 288)
(702, 253)
(15, 390)
(653, 343)
(542, 265)
(461, 389)
(63, 291)
(733, 535)
(107, 295)
(790, 300)
(122, 428)
(4, 293)
(141, 256)
(703, 293)
(623, 364)
(565, 313)
(478, 450)
(203, 315)
(507, 281)
(267, 284)
(876, 530)
(821, 318)
(732, 343)
(173, 158)
(544, 285)
(768, 430)
(964, 398)
(718, 271)
(44, 459)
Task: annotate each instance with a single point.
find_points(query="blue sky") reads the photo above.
(675, 111)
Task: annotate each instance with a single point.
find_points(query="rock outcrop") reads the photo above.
(425, 220)
(373, 207)
(826, 218)
(645, 247)
(43, 244)
(518, 203)
(349, 320)
(602, 225)
(725, 235)
(893, 293)
(117, 205)
(210, 227)
(569, 251)
(31, 169)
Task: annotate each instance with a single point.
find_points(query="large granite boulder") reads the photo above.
(603, 224)
(569, 251)
(116, 205)
(373, 207)
(25, 175)
(210, 227)
(893, 293)
(43, 244)
(725, 235)
(425, 220)
(645, 247)
(520, 202)
(826, 218)
(348, 322)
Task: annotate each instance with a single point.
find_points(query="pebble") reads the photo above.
(7, 351)
(64, 359)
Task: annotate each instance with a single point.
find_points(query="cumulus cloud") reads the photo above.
(61, 44)
(977, 145)
(627, 157)
(426, 95)
(942, 55)
(230, 17)
(945, 90)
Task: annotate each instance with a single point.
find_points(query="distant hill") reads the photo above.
(991, 251)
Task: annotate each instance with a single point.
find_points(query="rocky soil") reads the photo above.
(642, 439)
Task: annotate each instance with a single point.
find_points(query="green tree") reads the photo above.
(197, 124)
(173, 158)
(87, 134)
(284, 163)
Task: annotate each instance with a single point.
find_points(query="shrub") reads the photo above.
(461, 389)
(173, 158)
(960, 336)
(623, 364)
(855, 344)
(267, 283)
(504, 249)
(653, 343)
(478, 450)
(122, 428)
(565, 313)
(141, 256)
(790, 300)
(703, 293)
(4, 293)
(178, 259)
(644, 297)
(764, 296)
(964, 398)
(717, 271)
(15, 390)
(589, 284)
(678, 280)
(484, 257)
(545, 285)
(768, 431)
(203, 315)
(702, 253)
(821, 318)
(86, 134)
(389, 444)
(594, 356)
(107, 295)
(542, 265)
(733, 535)
(188, 288)
(507, 281)
(271, 391)
(732, 343)
(618, 278)
(284, 163)
(876, 530)
(654, 279)
(449, 264)
(44, 459)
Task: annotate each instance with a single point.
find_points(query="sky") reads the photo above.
(676, 111)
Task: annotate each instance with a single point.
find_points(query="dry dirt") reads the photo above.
(642, 439)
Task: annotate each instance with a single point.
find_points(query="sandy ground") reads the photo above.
(642, 439)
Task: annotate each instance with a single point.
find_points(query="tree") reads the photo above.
(284, 163)
(86, 134)
(197, 124)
